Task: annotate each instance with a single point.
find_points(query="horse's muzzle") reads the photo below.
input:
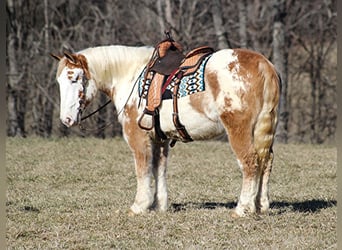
(69, 122)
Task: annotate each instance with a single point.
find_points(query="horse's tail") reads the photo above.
(265, 127)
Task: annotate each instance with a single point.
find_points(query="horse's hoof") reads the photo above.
(131, 213)
(235, 215)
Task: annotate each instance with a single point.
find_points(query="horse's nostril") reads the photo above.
(67, 121)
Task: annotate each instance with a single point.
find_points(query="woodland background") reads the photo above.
(299, 37)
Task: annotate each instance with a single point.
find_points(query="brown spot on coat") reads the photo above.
(138, 140)
(248, 63)
(212, 81)
(197, 102)
(80, 61)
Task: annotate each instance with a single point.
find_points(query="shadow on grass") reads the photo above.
(312, 206)
(177, 207)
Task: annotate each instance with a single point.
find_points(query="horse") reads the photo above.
(241, 99)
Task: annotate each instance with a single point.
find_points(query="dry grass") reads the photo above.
(74, 194)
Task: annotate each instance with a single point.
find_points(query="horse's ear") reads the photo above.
(58, 58)
(70, 56)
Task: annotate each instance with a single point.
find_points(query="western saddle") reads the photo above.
(167, 64)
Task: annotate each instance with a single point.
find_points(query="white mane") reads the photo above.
(111, 64)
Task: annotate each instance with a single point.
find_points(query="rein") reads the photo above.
(81, 109)
(92, 113)
(104, 105)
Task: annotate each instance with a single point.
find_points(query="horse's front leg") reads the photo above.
(160, 152)
(140, 145)
(142, 156)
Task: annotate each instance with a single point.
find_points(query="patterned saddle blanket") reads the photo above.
(189, 84)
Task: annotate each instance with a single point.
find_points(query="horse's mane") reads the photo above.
(116, 60)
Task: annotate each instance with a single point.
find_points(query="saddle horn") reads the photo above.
(168, 35)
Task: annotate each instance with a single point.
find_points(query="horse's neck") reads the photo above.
(112, 66)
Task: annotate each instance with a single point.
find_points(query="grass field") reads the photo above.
(75, 193)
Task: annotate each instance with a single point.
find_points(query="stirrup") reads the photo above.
(146, 120)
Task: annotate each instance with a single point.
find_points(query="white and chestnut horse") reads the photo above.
(241, 98)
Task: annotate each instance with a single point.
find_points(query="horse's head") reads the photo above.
(74, 78)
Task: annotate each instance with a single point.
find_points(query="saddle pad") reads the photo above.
(189, 84)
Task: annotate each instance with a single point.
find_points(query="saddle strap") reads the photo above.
(175, 117)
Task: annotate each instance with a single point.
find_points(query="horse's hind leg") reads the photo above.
(263, 140)
(239, 128)
(250, 179)
(262, 200)
(252, 144)
(159, 165)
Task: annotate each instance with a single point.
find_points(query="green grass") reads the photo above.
(75, 193)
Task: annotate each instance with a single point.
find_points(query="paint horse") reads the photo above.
(241, 97)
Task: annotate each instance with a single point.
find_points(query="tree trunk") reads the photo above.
(218, 25)
(280, 62)
(49, 106)
(14, 128)
(169, 17)
(16, 95)
(160, 16)
(314, 94)
(242, 23)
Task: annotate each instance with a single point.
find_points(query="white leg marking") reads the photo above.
(248, 194)
(144, 197)
(159, 171)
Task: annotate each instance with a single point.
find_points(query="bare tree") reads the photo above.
(48, 102)
(160, 7)
(314, 30)
(218, 25)
(300, 39)
(16, 94)
(280, 62)
(242, 23)
(258, 23)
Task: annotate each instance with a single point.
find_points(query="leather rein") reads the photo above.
(82, 128)
(82, 108)
(94, 112)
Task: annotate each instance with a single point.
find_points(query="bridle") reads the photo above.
(82, 107)
(82, 101)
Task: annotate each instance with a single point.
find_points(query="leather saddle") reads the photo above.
(168, 63)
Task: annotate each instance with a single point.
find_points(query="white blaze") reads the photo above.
(70, 85)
